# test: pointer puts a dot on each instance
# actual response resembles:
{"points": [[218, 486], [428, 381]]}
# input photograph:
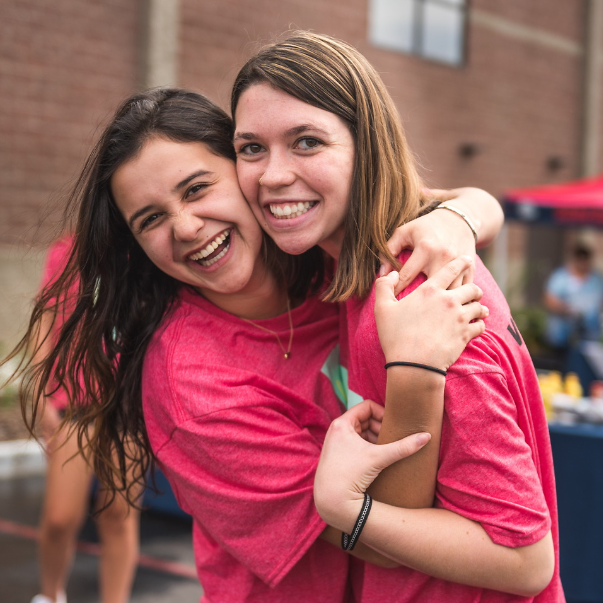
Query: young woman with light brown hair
{"points": [[315, 125]]}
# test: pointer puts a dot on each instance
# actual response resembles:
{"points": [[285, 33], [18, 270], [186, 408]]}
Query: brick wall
{"points": [[65, 64], [218, 36], [561, 17], [63, 67], [518, 100]]}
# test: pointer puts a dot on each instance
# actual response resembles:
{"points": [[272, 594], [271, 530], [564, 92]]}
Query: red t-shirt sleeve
{"points": [[246, 475], [487, 471], [56, 260]]}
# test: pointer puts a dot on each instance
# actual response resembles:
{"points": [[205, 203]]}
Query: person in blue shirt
{"points": [[574, 299]]}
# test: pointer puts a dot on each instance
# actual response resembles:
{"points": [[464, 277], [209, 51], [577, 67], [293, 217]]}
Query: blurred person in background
{"points": [[68, 483], [574, 298]]}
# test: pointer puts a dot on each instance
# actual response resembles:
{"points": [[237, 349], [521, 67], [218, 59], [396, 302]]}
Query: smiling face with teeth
{"points": [[185, 208], [305, 158]]}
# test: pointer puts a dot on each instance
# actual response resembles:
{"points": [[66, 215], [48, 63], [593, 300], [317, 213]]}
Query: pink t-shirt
{"points": [[495, 465], [238, 430], [56, 260]]}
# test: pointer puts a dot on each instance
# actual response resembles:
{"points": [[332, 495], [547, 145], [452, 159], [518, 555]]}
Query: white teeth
{"points": [[203, 253], [222, 253], [291, 211]]}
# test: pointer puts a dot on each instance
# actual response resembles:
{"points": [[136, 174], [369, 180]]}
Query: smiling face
{"points": [[305, 158], [185, 208]]}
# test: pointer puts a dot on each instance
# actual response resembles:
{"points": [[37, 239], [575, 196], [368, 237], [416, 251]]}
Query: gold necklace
{"points": [[287, 352]]}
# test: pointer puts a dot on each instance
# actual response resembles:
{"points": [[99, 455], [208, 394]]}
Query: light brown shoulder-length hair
{"points": [[386, 188]]}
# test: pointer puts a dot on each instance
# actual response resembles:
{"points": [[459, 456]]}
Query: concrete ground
{"points": [[166, 572]]}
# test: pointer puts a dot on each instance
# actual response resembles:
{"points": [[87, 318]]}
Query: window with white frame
{"points": [[433, 29]]}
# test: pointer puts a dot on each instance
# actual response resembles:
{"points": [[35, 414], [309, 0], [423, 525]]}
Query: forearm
{"points": [[448, 546], [414, 403], [482, 209], [555, 305], [361, 550]]}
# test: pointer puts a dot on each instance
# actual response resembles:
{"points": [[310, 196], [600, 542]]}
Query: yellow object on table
{"points": [[572, 386], [550, 384]]}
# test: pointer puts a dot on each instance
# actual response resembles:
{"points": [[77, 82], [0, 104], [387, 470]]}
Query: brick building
{"points": [[493, 94]]}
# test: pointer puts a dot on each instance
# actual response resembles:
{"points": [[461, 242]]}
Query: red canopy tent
{"points": [[577, 203]]}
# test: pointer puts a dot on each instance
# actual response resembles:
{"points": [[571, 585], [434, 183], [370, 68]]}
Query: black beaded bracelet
{"points": [[417, 365], [348, 541]]}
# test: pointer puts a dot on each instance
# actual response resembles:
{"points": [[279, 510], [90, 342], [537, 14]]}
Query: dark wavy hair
{"points": [[113, 297]]}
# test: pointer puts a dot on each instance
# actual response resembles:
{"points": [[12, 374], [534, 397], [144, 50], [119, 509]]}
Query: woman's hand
{"points": [[350, 461], [441, 236], [433, 324]]}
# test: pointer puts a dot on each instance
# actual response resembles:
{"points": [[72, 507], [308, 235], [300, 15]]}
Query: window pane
{"points": [[442, 34], [391, 24]]}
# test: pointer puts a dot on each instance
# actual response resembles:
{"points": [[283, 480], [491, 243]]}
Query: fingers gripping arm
{"points": [[357, 427], [434, 541], [441, 236]]}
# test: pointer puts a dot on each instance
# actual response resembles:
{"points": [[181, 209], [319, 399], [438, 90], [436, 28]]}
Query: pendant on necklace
{"points": [[287, 354]]}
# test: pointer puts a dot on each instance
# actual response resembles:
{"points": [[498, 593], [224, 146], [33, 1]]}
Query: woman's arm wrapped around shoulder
{"points": [[440, 236], [437, 542]]}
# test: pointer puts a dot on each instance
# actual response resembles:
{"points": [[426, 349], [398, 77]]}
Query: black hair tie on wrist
{"points": [[348, 541], [417, 365]]}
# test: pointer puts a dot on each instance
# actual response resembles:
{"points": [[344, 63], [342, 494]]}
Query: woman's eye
{"points": [[195, 189], [148, 221], [250, 149], [307, 144]]}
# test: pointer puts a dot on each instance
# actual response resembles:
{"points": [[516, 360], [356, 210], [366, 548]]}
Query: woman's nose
{"points": [[279, 172], [187, 225]]}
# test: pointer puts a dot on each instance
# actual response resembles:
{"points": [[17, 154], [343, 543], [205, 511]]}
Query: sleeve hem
{"points": [[515, 539], [299, 550]]}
